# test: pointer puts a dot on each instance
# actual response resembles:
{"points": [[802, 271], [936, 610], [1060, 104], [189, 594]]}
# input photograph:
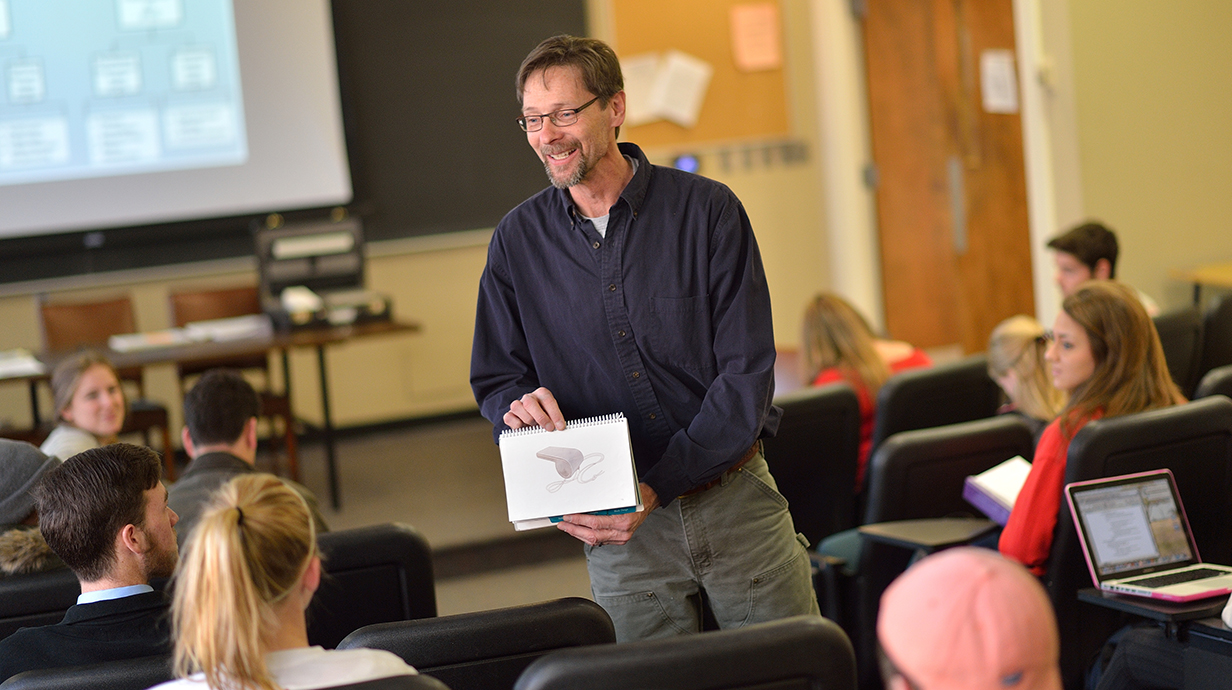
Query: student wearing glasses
{"points": [[628, 287]]}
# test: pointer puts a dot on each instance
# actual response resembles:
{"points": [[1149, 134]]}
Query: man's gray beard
{"points": [[578, 175]]}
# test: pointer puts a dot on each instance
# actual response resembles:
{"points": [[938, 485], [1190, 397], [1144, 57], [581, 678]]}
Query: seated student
{"points": [[1089, 252], [89, 403], [250, 569], [220, 435], [22, 547], [104, 513], [1106, 355], [1016, 362], [968, 618], [839, 346]]}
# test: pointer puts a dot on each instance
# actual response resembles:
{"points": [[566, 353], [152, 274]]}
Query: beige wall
{"points": [[1154, 116]]}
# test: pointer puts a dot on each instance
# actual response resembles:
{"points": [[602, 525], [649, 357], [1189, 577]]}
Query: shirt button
{"points": [[637, 374], [652, 415], [620, 333], [612, 287], [595, 245]]}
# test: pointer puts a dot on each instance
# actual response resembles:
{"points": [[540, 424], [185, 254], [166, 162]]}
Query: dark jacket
{"points": [[126, 628], [190, 494]]}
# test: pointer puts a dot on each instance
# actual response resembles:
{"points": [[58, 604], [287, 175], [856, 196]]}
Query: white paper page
{"points": [[1004, 481], [640, 72], [680, 88], [998, 83], [582, 469]]}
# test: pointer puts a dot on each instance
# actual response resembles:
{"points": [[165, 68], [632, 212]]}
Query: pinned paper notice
{"points": [[671, 87], [640, 72], [756, 42], [998, 83], [680, 87]]}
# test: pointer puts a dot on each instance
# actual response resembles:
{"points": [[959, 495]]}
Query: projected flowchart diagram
{"points": [[126, 86]]}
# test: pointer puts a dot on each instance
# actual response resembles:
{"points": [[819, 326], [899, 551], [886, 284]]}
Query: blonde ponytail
{"points": [[247, 552]]}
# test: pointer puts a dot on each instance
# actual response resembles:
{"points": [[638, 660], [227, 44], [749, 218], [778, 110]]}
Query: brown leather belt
{"points": [[748, 455]]}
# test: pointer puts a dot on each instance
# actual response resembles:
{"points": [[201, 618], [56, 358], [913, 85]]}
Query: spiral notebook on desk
{"points": [[585, 468]]}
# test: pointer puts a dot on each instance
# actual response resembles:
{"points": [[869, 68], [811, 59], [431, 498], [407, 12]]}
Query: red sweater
{"points": [[1027, 537], [917, 359]]}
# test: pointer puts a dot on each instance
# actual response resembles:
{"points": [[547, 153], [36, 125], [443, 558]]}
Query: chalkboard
{"points": [[429, 105], [429, 108]]}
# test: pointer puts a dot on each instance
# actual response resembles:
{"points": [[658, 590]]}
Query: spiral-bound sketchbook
{"points": [[586, 468]]}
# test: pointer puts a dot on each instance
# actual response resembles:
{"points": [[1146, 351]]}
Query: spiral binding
{"points": [[589, 421]]}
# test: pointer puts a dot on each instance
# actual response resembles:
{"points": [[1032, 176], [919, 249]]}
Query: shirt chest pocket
{"points": [[681, 334]]}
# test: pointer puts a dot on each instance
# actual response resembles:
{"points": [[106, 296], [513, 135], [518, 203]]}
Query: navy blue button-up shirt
{"points": [[666, 319]]}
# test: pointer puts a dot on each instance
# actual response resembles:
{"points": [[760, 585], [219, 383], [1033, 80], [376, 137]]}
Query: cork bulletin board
{"points": [[738, 104]]}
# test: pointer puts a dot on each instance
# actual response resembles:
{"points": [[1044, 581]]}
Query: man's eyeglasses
{"points": [[561, 118]]}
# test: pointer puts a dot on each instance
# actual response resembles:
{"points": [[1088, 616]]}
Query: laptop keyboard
{"points": [[1177, 578]]}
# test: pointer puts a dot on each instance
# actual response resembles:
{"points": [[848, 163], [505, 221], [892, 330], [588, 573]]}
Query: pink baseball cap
{"points": [[969, 618]]}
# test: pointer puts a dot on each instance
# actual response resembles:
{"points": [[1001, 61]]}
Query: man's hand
{"points": [[537, 408], [598, 530]]}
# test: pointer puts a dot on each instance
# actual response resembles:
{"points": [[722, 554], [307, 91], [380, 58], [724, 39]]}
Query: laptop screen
{"points": [[1132, 524]]}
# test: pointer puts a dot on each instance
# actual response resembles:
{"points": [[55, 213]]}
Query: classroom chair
{"points": [[1217, 381], [798, 652], [948, 393], [1194, 440], [813, 458], [1180, 334], [36, 599], [206, 305], [72, 326], [129, 674], [374, 574], [488, 649], [1217, 335], [914, 474]]}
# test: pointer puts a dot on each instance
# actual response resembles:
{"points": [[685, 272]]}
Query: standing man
{"points": [[104, 513], [628, 287]]}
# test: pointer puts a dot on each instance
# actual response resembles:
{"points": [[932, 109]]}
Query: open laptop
{"points": [[1137, 540]]}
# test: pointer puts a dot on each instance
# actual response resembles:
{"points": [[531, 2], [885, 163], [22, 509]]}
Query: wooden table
{"points": [[1214, 275], [279, 341]]}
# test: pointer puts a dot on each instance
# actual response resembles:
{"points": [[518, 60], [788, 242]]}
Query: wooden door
{"points": [[951, 188]]}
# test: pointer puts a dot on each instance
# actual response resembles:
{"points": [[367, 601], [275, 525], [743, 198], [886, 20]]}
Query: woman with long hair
{"points": [[248, 573], [1106, 355], [1016, 362], [89, 402], [839, 346]]}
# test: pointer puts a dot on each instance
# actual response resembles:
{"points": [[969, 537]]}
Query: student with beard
{"points": [[104, 513]]}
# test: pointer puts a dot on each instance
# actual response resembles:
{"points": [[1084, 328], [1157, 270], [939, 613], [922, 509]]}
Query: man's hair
{"points": [[85, 502], [218, 407], [1089, 243], [595, 61]]}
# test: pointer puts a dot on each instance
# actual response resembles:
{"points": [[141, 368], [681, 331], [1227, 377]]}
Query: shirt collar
{"points": [[113, 593], [634, 193]]}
